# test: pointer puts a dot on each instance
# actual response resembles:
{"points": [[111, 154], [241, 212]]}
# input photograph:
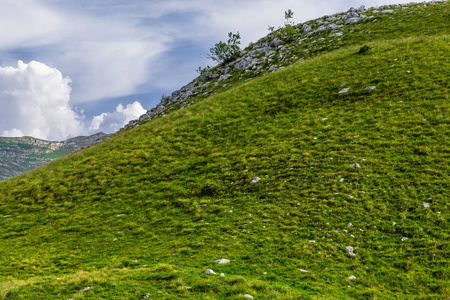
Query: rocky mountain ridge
{"points": [[276, 51], [21, 154]]}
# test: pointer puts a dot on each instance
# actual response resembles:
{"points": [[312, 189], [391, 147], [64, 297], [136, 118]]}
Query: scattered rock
{"points": [[86, 289], [421, 229], [224, 77], [387, 11], [352, 20], [324, 119], [222, 261], [248, 296], [344, 90], [255, 180], [349, 225], [114, 240], [352, 277], [341, 180], [146, 296], [201, 205], [404, 239], [306, 28], [426, 205], [276, 43], [349, 250], [337, 34], [330, 27], [351, 14], [312, 241], [355, 166], [304, 271], [350, 197], [222, 275], [369, 88], [209, 271]]}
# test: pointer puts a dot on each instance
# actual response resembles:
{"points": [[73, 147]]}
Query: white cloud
{"points": [[27, 23], [35, 101], [107, 58], [111, 122]]}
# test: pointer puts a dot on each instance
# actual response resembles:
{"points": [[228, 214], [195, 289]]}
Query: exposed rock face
{"points": [[19, 155]]}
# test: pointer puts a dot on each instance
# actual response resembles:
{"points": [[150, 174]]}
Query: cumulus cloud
{"points": [[35, 101], [111, 122]]}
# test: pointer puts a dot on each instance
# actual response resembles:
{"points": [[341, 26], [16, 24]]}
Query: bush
{"points": [[226, 52], [288, 32], [205, 72], [364, 49]]}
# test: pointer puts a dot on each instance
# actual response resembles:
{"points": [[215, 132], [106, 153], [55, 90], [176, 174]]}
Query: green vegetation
{"points": [[226, 52], [363, 49], [288, 32], [147, 211]]}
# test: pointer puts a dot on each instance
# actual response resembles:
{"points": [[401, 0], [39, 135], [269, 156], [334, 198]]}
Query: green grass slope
{"points": [[146, 212]]}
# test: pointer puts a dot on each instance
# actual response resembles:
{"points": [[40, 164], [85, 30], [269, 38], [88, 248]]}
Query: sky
{"points": [[77, 67]]}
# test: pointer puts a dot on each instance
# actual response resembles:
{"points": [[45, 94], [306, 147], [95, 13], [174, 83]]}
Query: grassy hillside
{"points": [[146, 212]]}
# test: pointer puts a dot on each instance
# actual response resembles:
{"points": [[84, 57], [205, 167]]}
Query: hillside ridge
{"points": [[276, 51]]}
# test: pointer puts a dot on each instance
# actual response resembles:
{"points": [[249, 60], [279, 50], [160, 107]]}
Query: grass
{"points": [[147, 211]]}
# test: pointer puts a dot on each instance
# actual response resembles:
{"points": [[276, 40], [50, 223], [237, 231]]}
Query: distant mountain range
{"points": [[21, 154]]}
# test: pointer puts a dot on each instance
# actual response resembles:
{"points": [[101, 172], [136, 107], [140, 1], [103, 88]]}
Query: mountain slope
{"points": [[147, 211], [19, 155]]}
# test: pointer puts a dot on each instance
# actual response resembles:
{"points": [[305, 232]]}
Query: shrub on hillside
{"points": [[226, 52]]}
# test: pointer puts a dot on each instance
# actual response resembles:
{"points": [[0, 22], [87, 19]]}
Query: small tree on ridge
{"points": [[226, 52]]}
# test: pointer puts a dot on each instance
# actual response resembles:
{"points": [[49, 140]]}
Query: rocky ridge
{"points": [[273, 52], [19, 155]]}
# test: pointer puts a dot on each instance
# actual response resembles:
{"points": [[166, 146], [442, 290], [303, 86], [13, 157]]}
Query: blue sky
{"points": [[99, 63]]}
